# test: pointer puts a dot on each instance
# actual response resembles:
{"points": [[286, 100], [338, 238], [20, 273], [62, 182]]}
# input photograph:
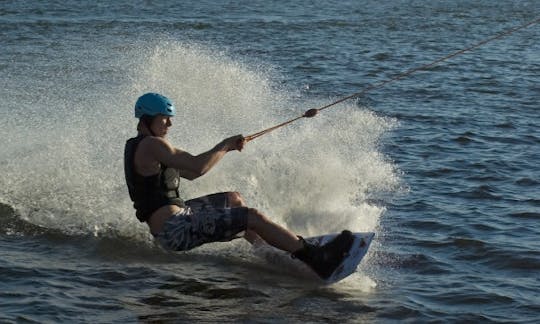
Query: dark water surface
{"points": [[442, 165]]}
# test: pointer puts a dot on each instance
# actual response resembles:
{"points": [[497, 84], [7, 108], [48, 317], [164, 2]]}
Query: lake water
{"points": [[442, 166]]}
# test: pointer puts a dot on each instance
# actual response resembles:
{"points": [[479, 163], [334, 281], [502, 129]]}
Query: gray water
{"points": [[442, 166]]}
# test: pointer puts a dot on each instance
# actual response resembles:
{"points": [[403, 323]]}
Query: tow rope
{"points": [[314, 111]]}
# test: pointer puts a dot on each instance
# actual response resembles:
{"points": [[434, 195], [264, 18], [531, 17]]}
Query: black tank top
{"points": [[150, 193]]}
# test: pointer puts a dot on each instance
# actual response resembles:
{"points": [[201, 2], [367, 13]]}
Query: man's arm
{"points": [[190, 166]]}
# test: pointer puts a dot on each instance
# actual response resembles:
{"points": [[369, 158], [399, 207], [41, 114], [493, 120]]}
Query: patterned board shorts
{"points": [[205, 219]]}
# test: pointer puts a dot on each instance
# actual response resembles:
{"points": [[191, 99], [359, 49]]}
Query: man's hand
{"points": [[234, 143]]}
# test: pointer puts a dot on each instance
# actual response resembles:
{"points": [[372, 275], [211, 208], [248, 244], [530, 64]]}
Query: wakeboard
{"points": [[287, 264]]}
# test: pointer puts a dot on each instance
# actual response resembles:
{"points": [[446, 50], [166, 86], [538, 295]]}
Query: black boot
{"points": [[325, 259]]}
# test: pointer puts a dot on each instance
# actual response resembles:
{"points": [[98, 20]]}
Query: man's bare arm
{"points": [[192, 166]]}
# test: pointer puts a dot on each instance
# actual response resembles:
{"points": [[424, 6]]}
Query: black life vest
{"points": [[150, 193]]}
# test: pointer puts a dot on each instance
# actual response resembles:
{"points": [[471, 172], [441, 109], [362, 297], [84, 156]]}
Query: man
{"points": [[153, 168]]}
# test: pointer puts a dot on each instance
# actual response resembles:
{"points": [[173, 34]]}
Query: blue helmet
{"points": [[153, 104]]}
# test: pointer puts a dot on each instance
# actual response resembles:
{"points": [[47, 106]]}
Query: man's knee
{"points": [[255, 218], [235, 199]]}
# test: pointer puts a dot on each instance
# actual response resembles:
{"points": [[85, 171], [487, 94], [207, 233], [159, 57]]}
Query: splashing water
{"points": [[66, 173]]}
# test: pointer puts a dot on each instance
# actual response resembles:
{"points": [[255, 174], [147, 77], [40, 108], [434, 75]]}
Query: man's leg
{"points": [[272, 233], [323, 260], [236, 200]]}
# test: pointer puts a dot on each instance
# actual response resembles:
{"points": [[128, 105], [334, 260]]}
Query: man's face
{"points": [[160, 125]]}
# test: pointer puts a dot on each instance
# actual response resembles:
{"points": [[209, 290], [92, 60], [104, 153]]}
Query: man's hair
{"points": [[146, 120]]}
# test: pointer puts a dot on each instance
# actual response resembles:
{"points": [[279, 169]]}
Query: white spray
{"points": [[62, 160]]}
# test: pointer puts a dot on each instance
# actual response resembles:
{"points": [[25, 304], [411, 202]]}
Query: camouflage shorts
{"points": [[205, 219]]}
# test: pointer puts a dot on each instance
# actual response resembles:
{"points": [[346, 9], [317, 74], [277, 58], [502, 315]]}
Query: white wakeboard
{"points": [[287, 264]]}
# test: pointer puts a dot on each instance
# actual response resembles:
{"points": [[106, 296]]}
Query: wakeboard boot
{"points": [[325, 259]]}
